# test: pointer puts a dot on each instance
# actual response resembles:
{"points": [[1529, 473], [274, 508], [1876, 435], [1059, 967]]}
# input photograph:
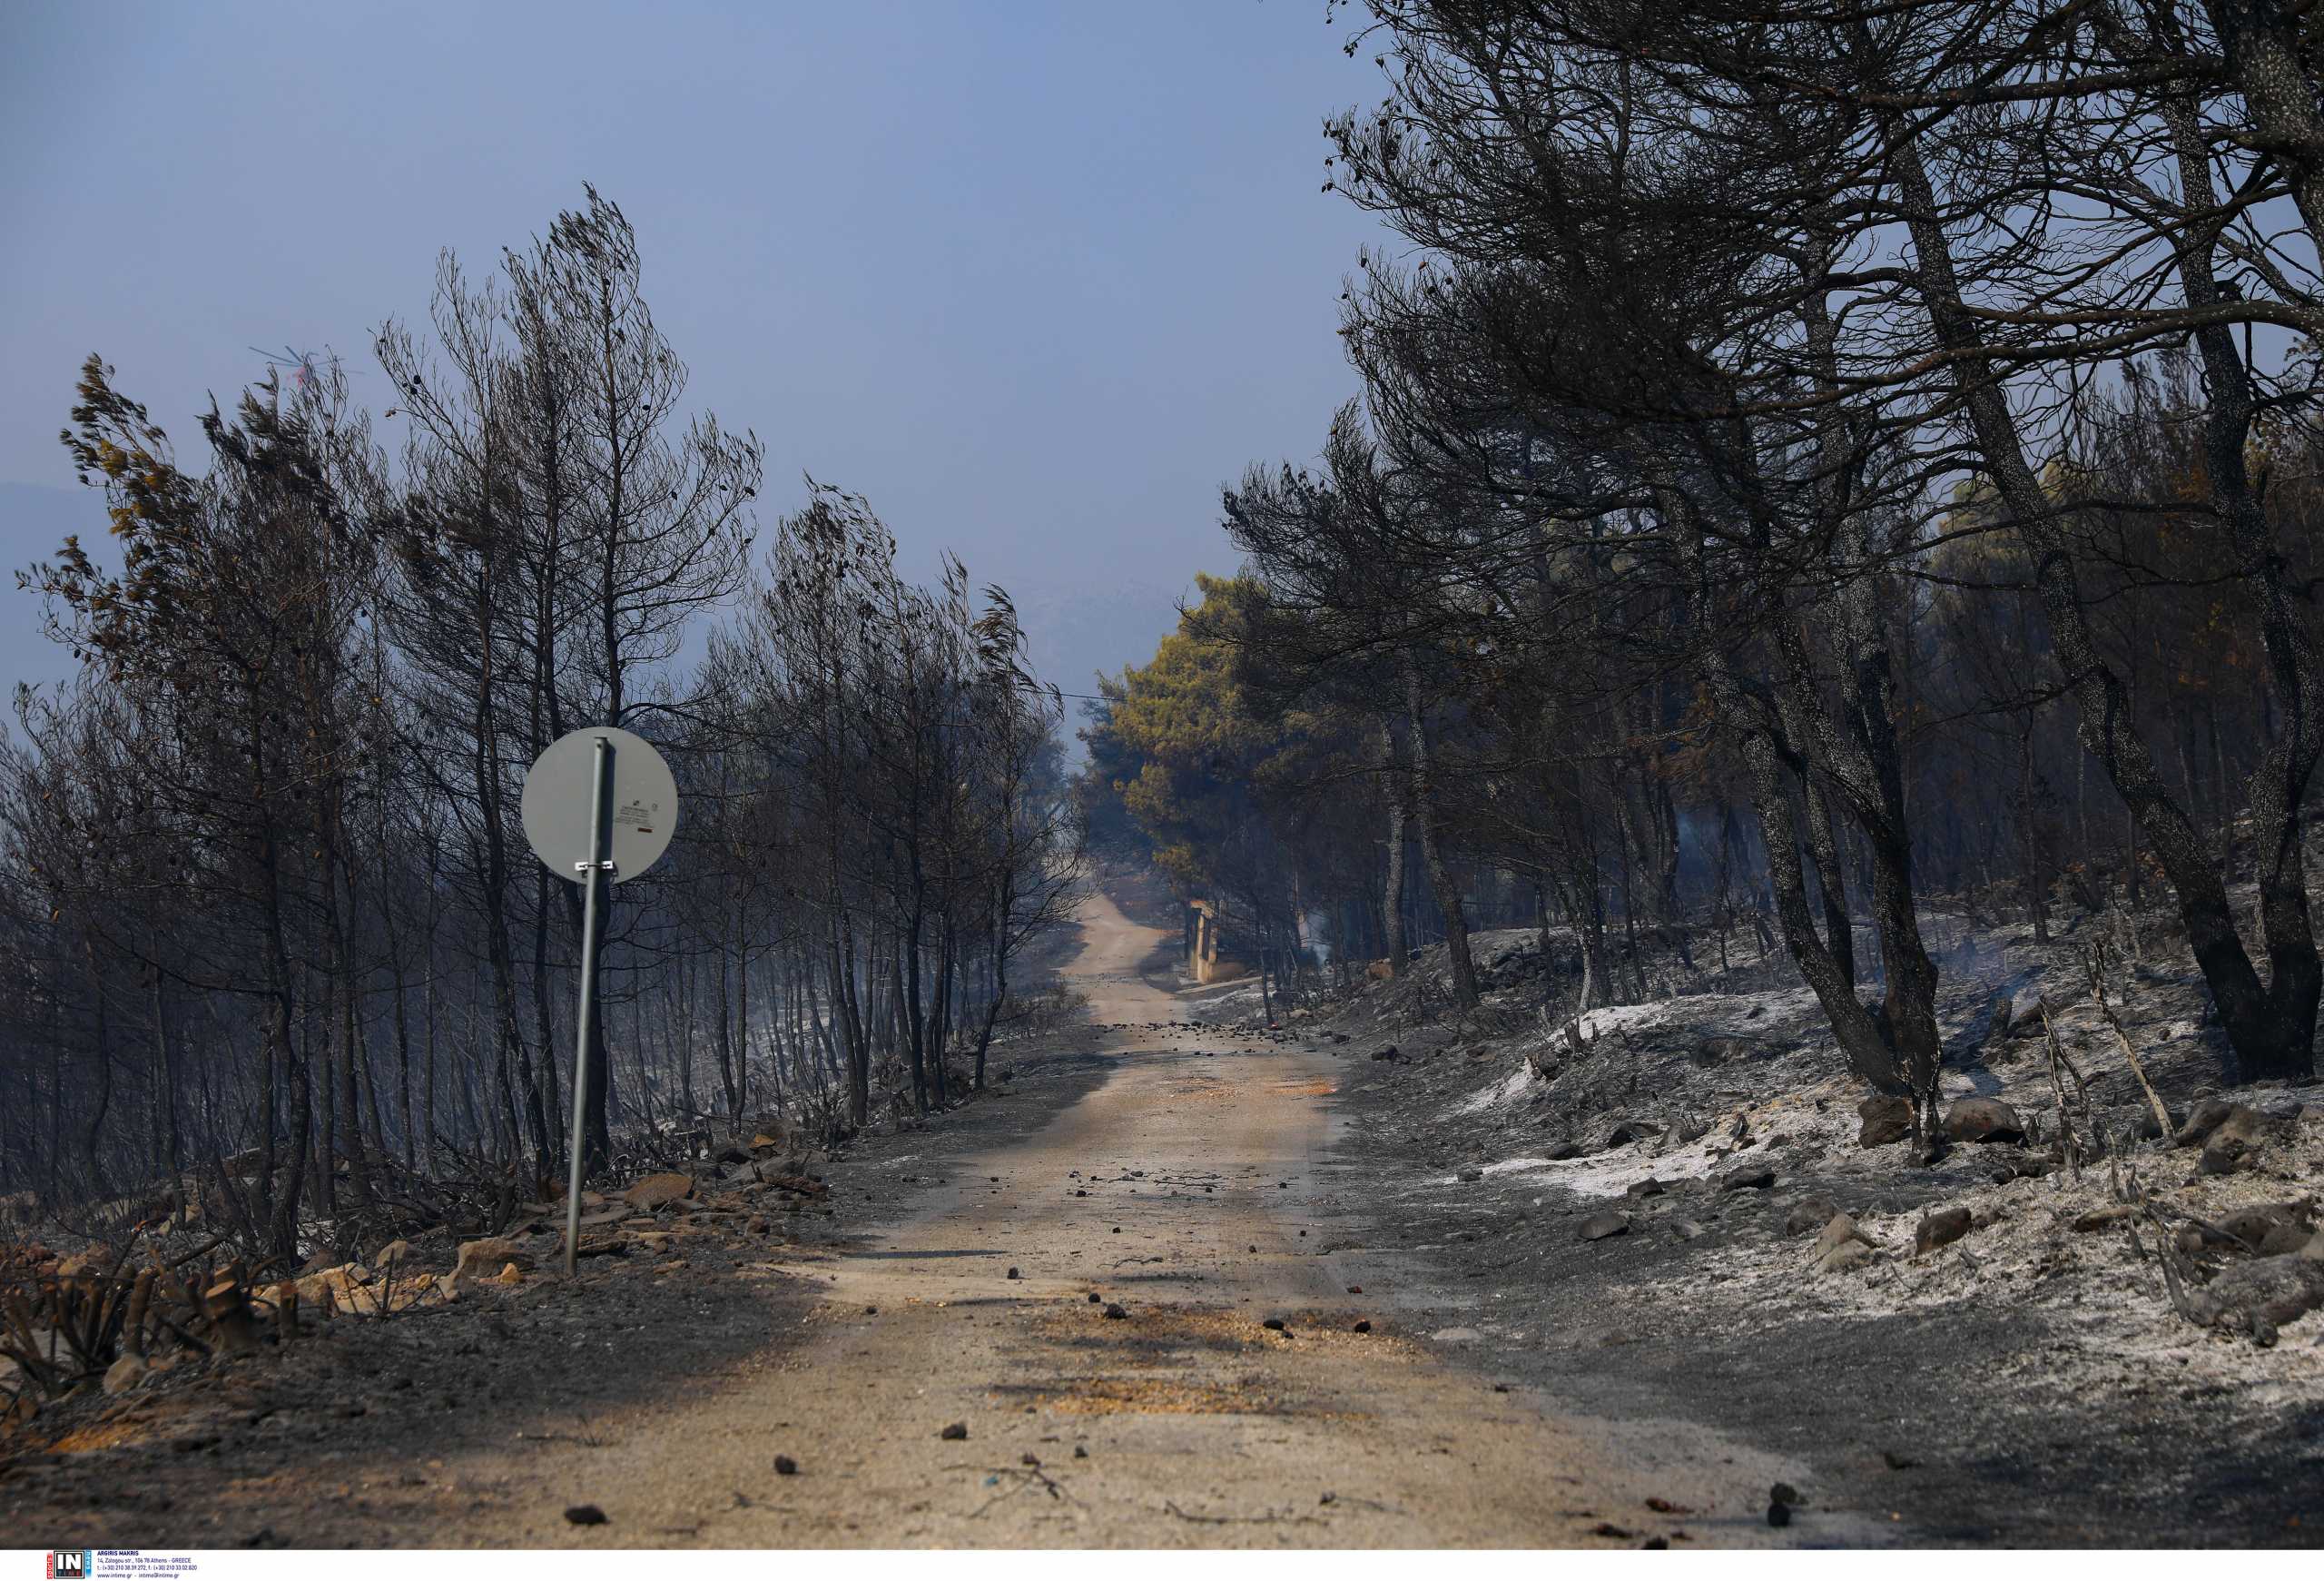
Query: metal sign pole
{"points": [[592, 874]]}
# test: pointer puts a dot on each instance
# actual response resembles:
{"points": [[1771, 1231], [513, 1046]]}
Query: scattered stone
{"points": [[2201, 1121], [1081, 1452], [1602, 1226], [1013, 1273], [1095, 1298], [1649, 1187], [1986, 1120], [1564, 1151], [659, 1191], [2286, 1239], [1355, 1289], [1632, 1131], [1842, 1259], [1718, 1051], [1274, 1323], [1884, 1120], [1897, 1462], [584, 1515], [1748, 1177], [1779, 1513], [1691, 1129], [1688, 1229], [1116, 1309], [1838, 1231], [1810, 1213], [1362, 1326], [2252, 1226], [1942, 1228], [2234, 1143], [1472, 1174], [2023, 1015], [954, 1431], [2100, 1218], [2261, 1296], [784, 1465], [1389, 1052], [489, 1255]]}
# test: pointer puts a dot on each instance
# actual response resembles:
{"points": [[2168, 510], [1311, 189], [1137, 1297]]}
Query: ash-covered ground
{"points": [[1647, 1222]]}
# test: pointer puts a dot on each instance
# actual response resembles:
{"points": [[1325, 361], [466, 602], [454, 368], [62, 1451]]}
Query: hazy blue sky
{"points": [[1037, 278]]}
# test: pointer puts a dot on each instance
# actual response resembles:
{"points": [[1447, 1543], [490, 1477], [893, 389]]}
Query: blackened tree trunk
{"points": [[1440, 872]]}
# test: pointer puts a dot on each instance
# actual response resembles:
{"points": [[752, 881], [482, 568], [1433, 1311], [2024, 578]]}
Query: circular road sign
{"points": [[641, 804]]}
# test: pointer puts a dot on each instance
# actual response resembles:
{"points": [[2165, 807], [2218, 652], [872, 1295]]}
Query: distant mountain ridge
{"points": [[1075, 630]]}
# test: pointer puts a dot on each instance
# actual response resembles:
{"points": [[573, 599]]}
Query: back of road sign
{"points": [[641, 805]]}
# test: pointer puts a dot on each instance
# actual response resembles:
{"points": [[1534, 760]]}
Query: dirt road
{"points": [[1193, 1192]]}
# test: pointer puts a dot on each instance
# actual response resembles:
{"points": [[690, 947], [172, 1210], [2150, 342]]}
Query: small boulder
{"points": [[1942, 1228], [1841, 1231], [2286, 1239], [1388, 1053], [2260, 1296], [126, 1374], [1473, 1173], [1649, 1187], [2022, 1016], [1810, 1213], [1746, 1178], [1884, 1120], [1841, 1259], [1602, 1226], [2101, 1218], [2233, 1144], [2251, 1227], [1985, 1119], [659, 1191], [1718, 1051], [2201, 1121], [483, 1257], [954, 1431]]}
